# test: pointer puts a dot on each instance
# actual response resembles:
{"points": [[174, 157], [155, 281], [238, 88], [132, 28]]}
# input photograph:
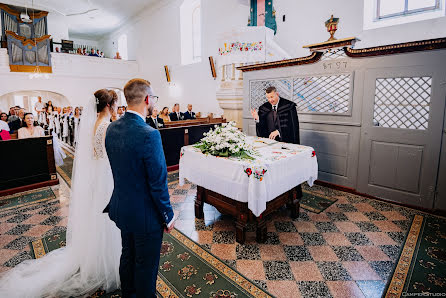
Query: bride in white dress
{"points": [[91, 258]]}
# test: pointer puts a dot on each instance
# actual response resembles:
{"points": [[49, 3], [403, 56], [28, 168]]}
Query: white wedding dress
{"points": [[91, 258]]}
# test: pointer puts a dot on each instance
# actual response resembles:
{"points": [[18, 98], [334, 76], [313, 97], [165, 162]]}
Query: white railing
{"points": [[82, 66]]}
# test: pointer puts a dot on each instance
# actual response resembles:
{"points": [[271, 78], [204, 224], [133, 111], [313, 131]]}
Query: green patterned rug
{"points": [[421, 267], [315, 202], [186, 270], [26, 198], [41, 247], [66, 170]]}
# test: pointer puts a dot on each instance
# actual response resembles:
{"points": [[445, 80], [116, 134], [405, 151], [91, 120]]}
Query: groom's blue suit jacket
{"points": [[140, 201]]}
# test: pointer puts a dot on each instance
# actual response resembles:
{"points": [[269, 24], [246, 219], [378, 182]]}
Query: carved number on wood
{"points": [[335, 65]]}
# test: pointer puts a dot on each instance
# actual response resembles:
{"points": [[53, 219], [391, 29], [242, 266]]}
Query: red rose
{"points": [[313, 154]]}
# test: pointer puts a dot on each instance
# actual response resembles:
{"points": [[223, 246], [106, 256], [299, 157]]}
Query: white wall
{"points": [[57, 26], [154, 40], [75, 77], [305, 20]]}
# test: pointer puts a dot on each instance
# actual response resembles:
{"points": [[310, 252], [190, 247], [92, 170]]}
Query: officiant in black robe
{"points": [[277, 119]]}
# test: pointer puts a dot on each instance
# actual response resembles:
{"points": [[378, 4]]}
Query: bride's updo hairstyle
{"points": [[105, 97]]}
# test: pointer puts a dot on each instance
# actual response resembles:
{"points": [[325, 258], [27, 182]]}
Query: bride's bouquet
{"points": [[225, 141]]}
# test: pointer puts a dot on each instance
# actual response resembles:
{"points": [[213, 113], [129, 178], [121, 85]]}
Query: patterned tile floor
{"points": [[346, 251]]}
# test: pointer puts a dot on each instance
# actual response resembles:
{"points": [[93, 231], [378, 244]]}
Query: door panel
{"points": [[401, 134]]}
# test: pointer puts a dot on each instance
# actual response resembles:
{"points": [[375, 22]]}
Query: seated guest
{"points": [[165, 114], [29, 130], [84, 52], [155, 121], [4, 122], [117, 56], [79, 51], [102, 55], [189, 114], [98, 53], [93, 53], [176, 114], [14, 121]]}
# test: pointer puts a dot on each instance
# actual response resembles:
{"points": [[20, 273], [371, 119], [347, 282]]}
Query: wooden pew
{"points": [[27, 164], [177, 134]]}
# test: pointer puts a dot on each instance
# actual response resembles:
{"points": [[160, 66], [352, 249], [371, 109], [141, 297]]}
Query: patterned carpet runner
{"points": [[421, 267], [186, 270], [315, 202], [26, 198], [66, 170]]}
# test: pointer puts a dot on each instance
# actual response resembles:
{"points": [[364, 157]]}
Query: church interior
{"points": [[337, 185]]}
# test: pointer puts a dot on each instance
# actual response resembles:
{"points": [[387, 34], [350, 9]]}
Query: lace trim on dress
{"points": [[99, 141]]}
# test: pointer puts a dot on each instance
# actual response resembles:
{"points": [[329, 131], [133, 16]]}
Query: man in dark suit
{"points": [[155, 121], [176, 114], [189, 114], [140, 204]]}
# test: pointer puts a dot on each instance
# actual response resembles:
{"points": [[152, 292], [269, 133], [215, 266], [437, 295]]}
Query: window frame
{"points": [[406, 10]]}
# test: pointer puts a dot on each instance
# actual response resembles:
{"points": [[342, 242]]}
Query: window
{"points": [[122, 46], [383, 13], [190, 21], [394, 8], [18, 101], [196, 32]]}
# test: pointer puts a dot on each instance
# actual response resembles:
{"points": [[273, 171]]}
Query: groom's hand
{"points": [[169, 229]]}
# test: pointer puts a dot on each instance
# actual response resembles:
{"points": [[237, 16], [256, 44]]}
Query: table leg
{"points": [[240, 226], [261, 229], [199, 203], [294, 204]]}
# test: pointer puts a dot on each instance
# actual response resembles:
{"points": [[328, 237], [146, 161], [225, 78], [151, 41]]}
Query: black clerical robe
{"points": [[285, 121]]}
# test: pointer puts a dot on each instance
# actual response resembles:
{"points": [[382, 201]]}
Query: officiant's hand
{"points": [[274, 134], [254, 114]]}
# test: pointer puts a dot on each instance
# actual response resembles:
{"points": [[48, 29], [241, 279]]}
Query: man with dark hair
{"points": [[176, 114], [277, 118], [155, 121], [140, 204], [93, 53], [14, 121], [189, 114]]}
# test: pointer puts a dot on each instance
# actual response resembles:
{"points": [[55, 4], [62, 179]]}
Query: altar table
{"points": [[250, 189]]}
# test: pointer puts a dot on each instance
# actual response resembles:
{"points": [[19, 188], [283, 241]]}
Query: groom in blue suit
{"points": [[140, 203]]}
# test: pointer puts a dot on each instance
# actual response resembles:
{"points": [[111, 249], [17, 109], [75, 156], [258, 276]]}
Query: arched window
{"points": [[122, 46], [196, 32], [190, 20]]}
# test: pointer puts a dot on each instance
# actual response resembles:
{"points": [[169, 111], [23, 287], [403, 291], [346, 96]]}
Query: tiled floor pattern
{"points": [[346, 251]]}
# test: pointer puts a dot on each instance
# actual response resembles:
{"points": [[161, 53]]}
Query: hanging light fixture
{"points": [[37, 73]]}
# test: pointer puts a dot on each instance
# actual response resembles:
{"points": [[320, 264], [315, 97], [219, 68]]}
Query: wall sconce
{"points": [[213, 72], [166, 70]]}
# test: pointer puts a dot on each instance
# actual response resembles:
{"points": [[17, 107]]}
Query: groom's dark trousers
{"points": [[140, 204]]}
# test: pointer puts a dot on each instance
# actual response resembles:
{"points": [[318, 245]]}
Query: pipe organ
{"points": [[28, 43]]}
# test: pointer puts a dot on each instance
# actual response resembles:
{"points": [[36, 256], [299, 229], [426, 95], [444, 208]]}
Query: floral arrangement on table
{"points": [[226, 141]]}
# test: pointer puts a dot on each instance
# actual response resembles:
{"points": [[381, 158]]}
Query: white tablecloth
{"points": [[278, 168]]}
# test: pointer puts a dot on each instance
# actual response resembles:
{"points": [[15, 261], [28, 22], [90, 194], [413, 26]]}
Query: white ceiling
{"points": [[104, 17]]}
